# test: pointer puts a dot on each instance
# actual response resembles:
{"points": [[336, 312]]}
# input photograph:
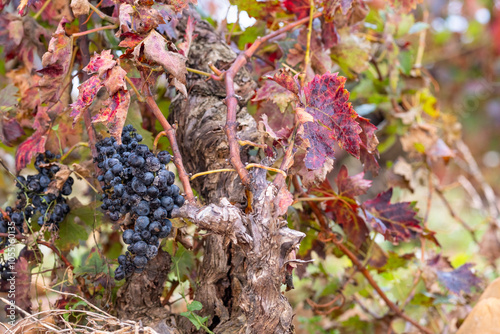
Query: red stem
{"points": [[232, 101], [170, 133], [44, 243]]}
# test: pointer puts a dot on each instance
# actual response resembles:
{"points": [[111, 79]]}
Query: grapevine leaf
{"points": [[70, 234], [153, 49], [30, 147], [283, 200], [352, 52], [188, 37], [335, 120], [271, 90], [22, 274], [114, 114], [456, 280], [100, 63], [130, 40], [87, 93], [396, 222], [285, 79], [300, 8], [11, 131], [56, 62], [460, 279], [194, 306], [23, 4], [329, 35], [115, 80], [351, 186]]}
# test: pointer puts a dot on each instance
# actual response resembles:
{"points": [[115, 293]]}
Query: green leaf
{"points": [[71, 234], [93, 264], [195, 306]]}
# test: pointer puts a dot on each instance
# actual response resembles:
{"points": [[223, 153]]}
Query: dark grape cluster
{"points": [[33, 197], [136, 182]]}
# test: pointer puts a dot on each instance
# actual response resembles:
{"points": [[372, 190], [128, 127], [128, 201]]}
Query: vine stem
{"points": [[37, 15], [233, 170], [324, 225], [170, 133], [84, 33], [44, 243], [307, 58], [232, 100], [102, 15]]}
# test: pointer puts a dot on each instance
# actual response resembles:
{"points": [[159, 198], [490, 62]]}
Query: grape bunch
{"points": [[33, 197], [137, 182]]}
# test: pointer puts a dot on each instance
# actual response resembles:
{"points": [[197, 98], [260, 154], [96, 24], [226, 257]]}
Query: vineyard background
{"points": [[426, 73]]}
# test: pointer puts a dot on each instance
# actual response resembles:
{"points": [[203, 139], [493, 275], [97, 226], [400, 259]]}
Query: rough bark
{"points": [[244, 261]]}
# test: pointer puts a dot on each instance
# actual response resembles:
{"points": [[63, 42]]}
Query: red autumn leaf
{"points": [[87, 93], [329, 35], [30, 147], [145, 19], [368, 145], [351, 186], [11, 130], [396, 222], [114, 114], [56, 62], [130, 40], [335, 120], [271, 90], [153, 49], [344, 208], [188, 37], [115, 80], [23, 4], [300, 8], [285, 78], [100, 63]]}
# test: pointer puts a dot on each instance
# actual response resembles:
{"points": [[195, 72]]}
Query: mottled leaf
{"points": [[114, 114], [29, 148], [335, 120], [115, 80], [11, 131], [56, 62], [87, 93], [100, 63], [396, 222], [300, 8], [271, 90], [130, 40], [188, 37], [257, 9], [153, 49], [287, 80]]}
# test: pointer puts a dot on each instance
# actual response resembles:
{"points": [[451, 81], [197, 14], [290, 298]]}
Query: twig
{"points": [[421, 46], [37, 15], [140, 98], [251, 143], [80, 144], [213, 171], [84, 33], [170, 133], [308, 46], [374, 284], [41, 242], [232, 100], [103, 16], [157, 139], [455, 216]]}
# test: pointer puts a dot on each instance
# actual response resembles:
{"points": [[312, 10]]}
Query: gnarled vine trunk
{"points": [[244, 262], [240, 280]]}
